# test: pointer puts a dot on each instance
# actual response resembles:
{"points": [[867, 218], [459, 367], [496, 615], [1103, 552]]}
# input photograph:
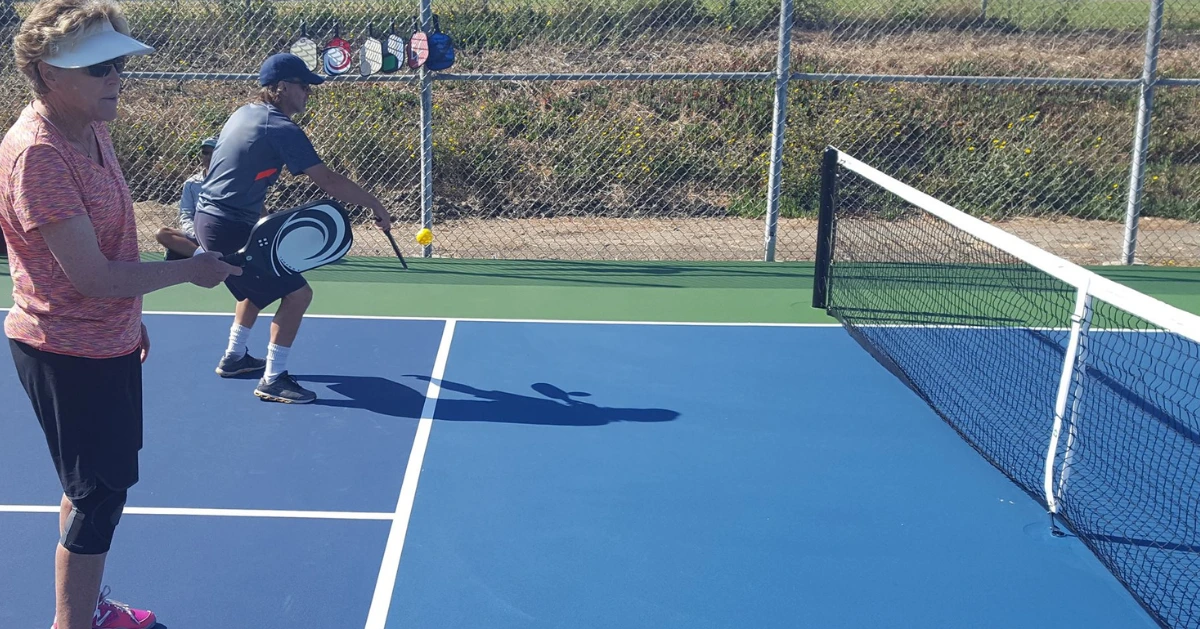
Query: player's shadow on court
{"points": [[551, 407]]}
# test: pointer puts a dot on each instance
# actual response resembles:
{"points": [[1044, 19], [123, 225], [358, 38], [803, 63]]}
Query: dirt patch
{"points": [[1161, 241]]}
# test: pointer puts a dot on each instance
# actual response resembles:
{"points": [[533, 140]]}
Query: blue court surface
{"points": [[509, 474]]}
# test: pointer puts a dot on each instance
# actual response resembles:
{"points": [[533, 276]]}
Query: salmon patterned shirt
{"points": [[44, 179]]}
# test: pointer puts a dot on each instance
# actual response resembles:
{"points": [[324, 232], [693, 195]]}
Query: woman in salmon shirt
{"points": [[75, 329]]}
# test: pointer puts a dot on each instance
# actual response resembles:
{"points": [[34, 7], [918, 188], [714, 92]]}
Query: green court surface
{"points": [[735, 292]]}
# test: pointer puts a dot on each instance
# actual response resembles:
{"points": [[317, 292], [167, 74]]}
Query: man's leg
{"points": [[246, 313], [284, 327], [286, 323], [221, 235], [237, 360], [277, 385]]}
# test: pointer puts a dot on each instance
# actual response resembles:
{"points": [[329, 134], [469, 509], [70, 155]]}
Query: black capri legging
{"points": [[90, 411]]}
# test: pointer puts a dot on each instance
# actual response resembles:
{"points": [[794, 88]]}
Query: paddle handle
{"points": [[237, 258], [395, 247]]}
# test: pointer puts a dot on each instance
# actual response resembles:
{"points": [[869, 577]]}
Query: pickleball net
{"points": [[1083, 391]]}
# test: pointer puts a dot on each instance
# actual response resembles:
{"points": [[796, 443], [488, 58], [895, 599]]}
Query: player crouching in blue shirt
{"points": [[257, 141]]}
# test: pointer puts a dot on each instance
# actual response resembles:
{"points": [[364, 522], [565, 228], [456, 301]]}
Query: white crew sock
{"points": [[276, 361], [238, 335]]}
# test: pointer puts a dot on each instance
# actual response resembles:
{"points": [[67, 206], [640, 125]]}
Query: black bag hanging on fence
{"points": [[441, 48]]}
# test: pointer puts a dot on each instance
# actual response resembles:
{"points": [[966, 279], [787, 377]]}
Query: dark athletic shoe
{"points": [[285, 389], [246, 364]]}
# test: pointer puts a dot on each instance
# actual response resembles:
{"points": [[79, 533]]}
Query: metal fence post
{"points": [[1141, 138], [426, 134], [783, 74]]}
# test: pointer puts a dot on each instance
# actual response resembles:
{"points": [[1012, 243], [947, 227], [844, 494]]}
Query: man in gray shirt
{"points": [[257, 141]]}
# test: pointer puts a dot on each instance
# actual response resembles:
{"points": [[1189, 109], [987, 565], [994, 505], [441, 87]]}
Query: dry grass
{"points": [[983, 54], [914, 53]]}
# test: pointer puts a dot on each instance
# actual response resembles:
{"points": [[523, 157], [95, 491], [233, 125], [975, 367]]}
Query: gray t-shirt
{"points": [[256, 142]]}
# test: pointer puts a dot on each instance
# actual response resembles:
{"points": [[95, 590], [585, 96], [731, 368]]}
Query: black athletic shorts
{"points": [[225, 236], [91, 414]]}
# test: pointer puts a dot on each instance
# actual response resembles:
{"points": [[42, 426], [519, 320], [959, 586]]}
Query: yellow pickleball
{"points": [[424, 237]]}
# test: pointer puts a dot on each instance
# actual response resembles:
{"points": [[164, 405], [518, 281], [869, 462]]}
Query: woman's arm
{"points": [[73, 243]]}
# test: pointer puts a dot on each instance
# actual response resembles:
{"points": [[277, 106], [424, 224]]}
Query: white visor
{"points": [[99, 42]]}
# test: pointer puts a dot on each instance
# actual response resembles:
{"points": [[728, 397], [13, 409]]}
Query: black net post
{"points": [[829, 166]]}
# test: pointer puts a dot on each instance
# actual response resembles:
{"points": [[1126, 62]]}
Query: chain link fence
{"points": [[651, 129]]}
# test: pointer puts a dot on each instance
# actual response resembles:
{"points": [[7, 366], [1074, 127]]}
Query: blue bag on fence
{"points": [[441, 49]]}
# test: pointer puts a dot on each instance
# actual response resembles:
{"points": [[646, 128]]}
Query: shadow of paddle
{"points": [[552, 407], [372, 394], [555, 393]]}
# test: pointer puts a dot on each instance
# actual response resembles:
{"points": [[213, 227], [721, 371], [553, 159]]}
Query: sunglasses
{"points": [[303, 86], [101, 70]]}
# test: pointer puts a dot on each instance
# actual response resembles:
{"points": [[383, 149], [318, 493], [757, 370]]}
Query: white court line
{"points": [[233, 513], [520, 320], [725, 324], [386, 583], [999, 328]]}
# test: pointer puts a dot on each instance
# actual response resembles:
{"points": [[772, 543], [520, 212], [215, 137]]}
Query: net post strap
{"points": [[1069, 392]]}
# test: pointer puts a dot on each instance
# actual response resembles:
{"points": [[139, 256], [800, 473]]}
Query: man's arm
{"points": [[345, 190], [73, 243]]}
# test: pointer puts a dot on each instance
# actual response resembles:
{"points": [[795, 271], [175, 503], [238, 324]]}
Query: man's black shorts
{"points": [[91, 414], [224, 236]]}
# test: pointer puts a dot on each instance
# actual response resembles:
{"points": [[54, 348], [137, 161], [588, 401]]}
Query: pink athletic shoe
{"points": [[115, 615]]}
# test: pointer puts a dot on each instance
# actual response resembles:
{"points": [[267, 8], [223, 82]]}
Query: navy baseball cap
{"points": [[286, 67]]}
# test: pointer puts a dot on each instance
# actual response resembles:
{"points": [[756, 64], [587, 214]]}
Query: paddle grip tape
{"points": [[92, 521]]}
